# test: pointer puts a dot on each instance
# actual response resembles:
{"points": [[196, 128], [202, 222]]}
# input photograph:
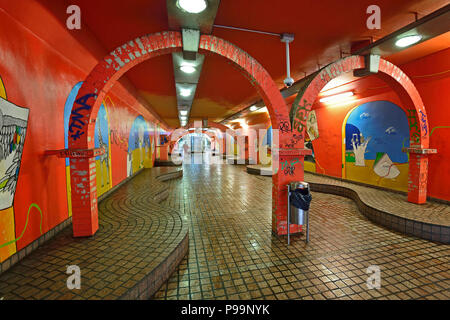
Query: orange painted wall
{"points": [[40, 62]]}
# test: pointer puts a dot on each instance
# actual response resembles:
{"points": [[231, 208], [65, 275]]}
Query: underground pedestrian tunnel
{"points": [[150, 144]]}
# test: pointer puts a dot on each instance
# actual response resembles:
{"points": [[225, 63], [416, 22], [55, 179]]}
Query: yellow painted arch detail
{"points": [[2, 89]]}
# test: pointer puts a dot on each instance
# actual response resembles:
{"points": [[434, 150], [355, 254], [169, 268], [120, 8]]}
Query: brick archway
{"points": [[122, 59], [411, 100]]}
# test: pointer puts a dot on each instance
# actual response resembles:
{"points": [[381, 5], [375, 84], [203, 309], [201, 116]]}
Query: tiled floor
{"points": [[391, 202], [135, 237], [233, 254], [394, 203]]}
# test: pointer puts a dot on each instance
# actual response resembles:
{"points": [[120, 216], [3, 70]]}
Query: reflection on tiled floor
{"points": [[136, 237], [391, 202], [233, 254]]}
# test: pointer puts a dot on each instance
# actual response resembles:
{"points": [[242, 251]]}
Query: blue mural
{"points": [[386, 127], [102, 141], [267, 140], [67, 111], [138, 145]]}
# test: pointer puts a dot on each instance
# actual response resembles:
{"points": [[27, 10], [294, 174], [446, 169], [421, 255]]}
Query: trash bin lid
{"points": [[299, 185]]}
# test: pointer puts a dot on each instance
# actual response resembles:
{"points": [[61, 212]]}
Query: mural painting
{"points": [[375, 133], [103, 162], [310, 160], [312, 133], [13, 127], [139, 146]]}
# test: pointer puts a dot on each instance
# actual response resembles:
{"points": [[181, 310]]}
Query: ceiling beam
{"points": [[191, 26]]}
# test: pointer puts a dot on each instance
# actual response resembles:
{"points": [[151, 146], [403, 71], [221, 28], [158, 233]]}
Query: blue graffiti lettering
{"points": [[77, 118]]}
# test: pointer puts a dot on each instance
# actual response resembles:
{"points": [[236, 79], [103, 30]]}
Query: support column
{"points": [[418, 174], [289, 163], [84, 196], [164, 152]]}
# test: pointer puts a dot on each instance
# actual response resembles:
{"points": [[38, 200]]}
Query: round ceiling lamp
{"points": [[192, 6], [407, 41], [185, 92], [187, 68], [253, 108]]}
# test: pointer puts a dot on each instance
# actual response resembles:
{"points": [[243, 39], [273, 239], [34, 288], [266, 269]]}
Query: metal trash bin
{"points": [[298, 214], [299, 199]]}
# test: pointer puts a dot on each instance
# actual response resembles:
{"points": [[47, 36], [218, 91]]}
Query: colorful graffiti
{"points": [[413, 126], [375, 133], [300, 116], [77, 121], [13, 128], [288, 167]]}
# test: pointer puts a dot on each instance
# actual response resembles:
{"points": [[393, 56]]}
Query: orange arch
{"points": [[110, 69], [407, 92]]}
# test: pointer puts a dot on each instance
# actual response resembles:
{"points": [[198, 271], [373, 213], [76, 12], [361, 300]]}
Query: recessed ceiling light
{"points": [[183, 118], [337, 97], [185, 92], [253, 108], [187, 68], [192, 6], [408, 40], [183, 112]]}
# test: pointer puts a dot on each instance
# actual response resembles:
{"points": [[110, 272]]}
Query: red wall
{"points": [[40, 62]]}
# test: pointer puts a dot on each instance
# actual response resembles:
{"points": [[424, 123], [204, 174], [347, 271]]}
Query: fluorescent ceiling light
{"points": [[407, 41], [185, 92], [253, 108], [337, 97], [192, 6], [183, 112], [187, 68], [183, 118]]}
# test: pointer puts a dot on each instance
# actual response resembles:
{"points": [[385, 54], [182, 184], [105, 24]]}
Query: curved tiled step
{"points": [[138, 246], [429, 221], [166, 163], [390, 209], [164, 174], [260, 170]]}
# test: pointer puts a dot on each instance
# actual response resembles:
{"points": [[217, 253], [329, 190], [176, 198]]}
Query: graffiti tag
{"points": [[119, 139], [288, 167], [294, 140], [423, 120], [77, 118], [413, 126], [284, 126], [301, 112], [290, 170]]}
